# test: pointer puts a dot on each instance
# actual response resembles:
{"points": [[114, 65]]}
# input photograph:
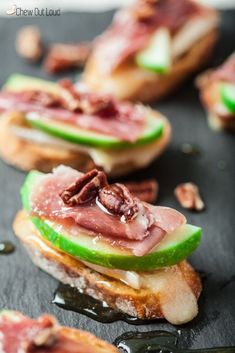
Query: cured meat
{"points": [[166, 220], [46, 203], [127, 35], [139, 235], [19, 333], [226, 72], [127, 123]]}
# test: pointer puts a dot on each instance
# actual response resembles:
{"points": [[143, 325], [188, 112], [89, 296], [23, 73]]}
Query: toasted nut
{"points": [[145, 190], [89, 103], [117, 199], [64, 56], [29, 43], [188, 196], [85, 188]]}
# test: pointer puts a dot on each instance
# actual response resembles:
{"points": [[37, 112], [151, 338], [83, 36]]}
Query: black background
{"points": [[26, 288]]}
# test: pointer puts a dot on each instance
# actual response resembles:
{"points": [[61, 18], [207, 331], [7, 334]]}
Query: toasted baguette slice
{"points": [[219, 118], [26, 154], [49, 336], [172, 292], [143, 85]]}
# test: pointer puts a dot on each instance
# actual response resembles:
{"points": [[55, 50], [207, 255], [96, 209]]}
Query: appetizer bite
{"points": [[45, 124], [217, 91], [21, 334], [150, 47], [110, 245]]}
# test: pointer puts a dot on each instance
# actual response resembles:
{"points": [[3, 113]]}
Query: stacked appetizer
{"points": [[150, 47], [21, 334], [107, 243], [217, 90], [45, 124]]}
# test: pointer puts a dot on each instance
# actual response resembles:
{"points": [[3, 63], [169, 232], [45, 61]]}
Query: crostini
{"points": [[44, 124], [150, 47], [108, 244], [21, 334], [217, 92]]}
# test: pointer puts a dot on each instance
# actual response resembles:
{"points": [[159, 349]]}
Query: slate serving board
{"points": [[26, 288]]}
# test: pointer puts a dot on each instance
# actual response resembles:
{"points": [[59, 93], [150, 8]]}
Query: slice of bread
{"points": [[54, 336], [218, 116], [172, 292], [26, 154], [130, 82]]}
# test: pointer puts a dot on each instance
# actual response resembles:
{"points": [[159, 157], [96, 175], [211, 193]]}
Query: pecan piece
{"points": [[145, 190], [92, 104], [85, 188], [29, 43], [89, 103], [188, 196], [45, 99], [63, 56], [117, 199]]}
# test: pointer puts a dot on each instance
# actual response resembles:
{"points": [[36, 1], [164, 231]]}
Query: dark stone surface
{"points": [[26, 288]]}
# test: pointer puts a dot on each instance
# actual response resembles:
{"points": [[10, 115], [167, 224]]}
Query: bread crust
{"points": [[27, 155], [93, 343], [145, 86], [142, 303]]}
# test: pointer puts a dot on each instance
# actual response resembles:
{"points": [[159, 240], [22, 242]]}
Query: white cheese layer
{"points": [[177, 300]]}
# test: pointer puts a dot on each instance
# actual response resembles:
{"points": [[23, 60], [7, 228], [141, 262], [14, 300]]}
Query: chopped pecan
{"points": [[146, 190], [89, 103], [64, 56], [93, 103], [43, 98], [29, 43], [71, 95], [188, 196], [85, 188], [117, 199]]}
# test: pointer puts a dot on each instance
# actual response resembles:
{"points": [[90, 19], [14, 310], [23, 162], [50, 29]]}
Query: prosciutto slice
{"points": [[139, 235], [18, 334], [127, 35], [127, 123]]}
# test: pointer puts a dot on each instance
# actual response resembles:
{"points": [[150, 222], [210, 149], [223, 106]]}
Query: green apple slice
{"points": [[227, 93], [17, 82], [157, 56], [153, 130], [173, 248]]}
